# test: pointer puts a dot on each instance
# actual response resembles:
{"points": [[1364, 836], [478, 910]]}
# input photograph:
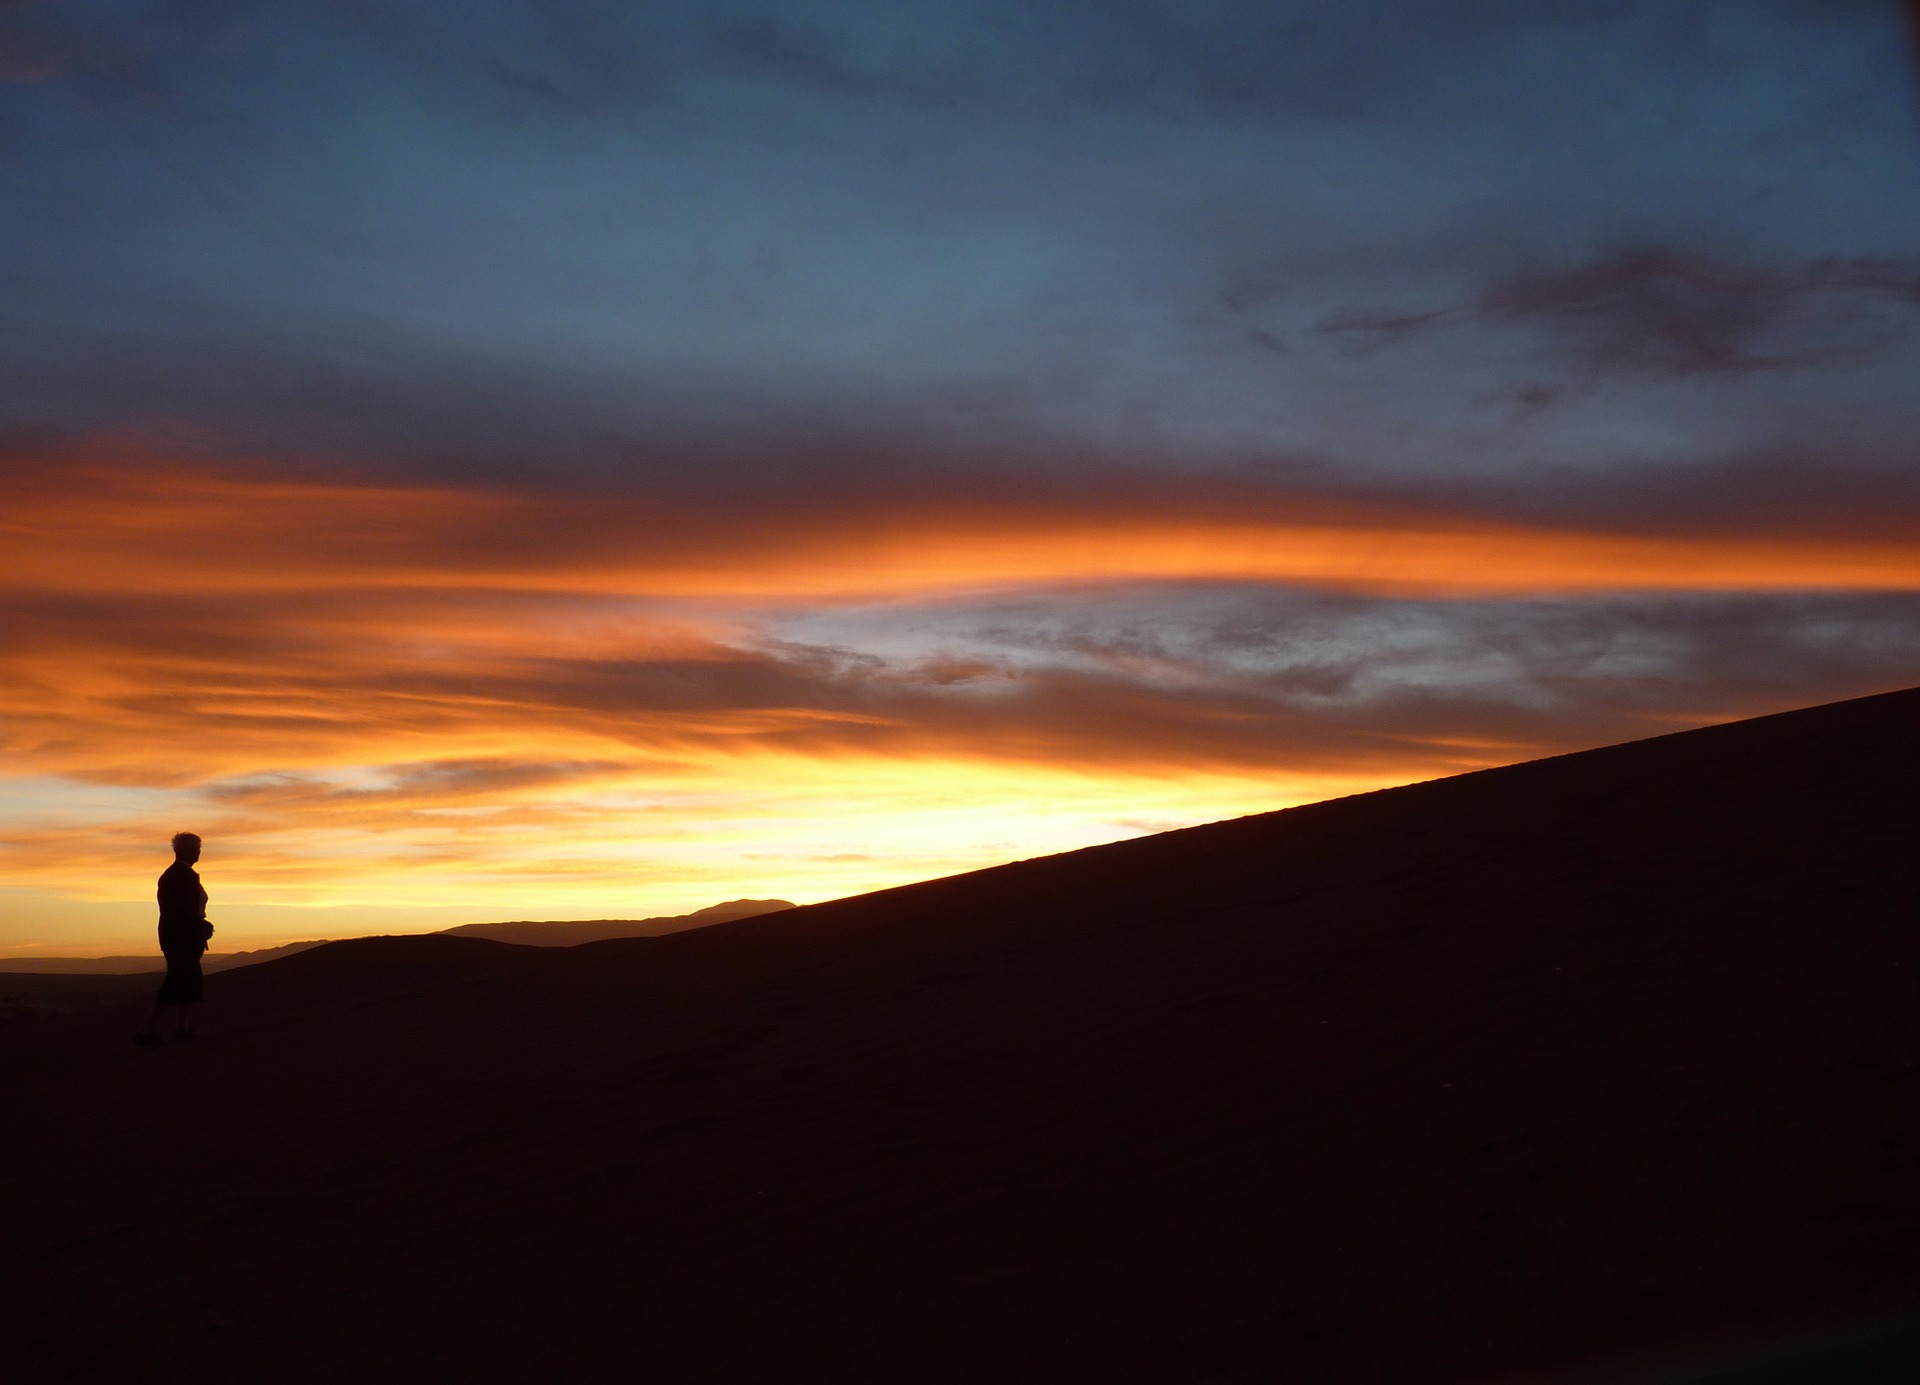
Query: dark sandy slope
{"points": [[1485, 1075]]}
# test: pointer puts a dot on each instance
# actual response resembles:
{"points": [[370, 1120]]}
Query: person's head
{"points": [[186, 847]]}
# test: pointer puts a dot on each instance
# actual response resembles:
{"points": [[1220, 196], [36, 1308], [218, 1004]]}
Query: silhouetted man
{"points": [[184, 931]]}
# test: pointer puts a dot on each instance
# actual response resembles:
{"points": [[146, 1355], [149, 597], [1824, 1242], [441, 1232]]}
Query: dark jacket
{"points": [[183, 911]]}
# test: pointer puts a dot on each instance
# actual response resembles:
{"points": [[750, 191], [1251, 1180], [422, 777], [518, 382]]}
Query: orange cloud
{"points": [[406, 697], [126, 525]]}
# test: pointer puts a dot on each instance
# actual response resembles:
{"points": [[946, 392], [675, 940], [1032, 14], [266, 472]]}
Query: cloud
{"points": [[408, 699], [29, 49], [192, 628], [1300, 674], [545, 446], [124, 47], [763, 45], [1658, 311], [22, 66], [490, 785], [105, 522], [935, 225]]}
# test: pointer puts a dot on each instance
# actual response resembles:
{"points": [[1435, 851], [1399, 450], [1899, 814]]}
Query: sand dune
{"points": [[1610, 1053]]}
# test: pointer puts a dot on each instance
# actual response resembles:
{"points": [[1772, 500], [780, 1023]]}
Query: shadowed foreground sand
{"points": [[1592, 1055]]}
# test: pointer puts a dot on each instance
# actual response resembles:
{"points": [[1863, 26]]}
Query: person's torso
{"points": [[183, 907]]}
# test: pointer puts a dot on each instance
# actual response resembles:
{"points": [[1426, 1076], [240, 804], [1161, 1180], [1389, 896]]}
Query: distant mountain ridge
{"points": [[561, 933], [572, 932], [148, 962]]}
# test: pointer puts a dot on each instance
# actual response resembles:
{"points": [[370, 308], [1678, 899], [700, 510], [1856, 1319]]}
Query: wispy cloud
{"points": [[1659, 311], [444, 693], [78, 527]]}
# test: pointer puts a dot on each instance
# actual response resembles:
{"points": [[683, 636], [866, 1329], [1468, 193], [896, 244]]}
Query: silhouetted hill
{"points": [[573, 932], [1610, 1053]]}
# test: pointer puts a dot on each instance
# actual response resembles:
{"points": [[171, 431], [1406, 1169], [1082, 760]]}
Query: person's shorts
{"points": [[184, 985]]}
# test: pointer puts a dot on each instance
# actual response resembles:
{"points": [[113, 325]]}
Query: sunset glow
{"points": [[788, 454], [163, 529], [404, 703]]}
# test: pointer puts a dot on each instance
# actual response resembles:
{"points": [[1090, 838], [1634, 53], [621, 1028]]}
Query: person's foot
{"points": [[148, 1039]]}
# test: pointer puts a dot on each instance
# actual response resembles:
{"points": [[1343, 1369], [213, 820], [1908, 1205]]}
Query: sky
{"points": [[564, 459]]}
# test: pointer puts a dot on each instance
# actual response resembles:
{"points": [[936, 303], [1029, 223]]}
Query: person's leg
{"points": [[151, 1034], [183, 1027]]}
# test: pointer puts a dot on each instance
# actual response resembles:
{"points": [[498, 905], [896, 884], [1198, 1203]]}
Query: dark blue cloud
{"points": [[1265, 673], [1649, 309], [555, 234]]}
